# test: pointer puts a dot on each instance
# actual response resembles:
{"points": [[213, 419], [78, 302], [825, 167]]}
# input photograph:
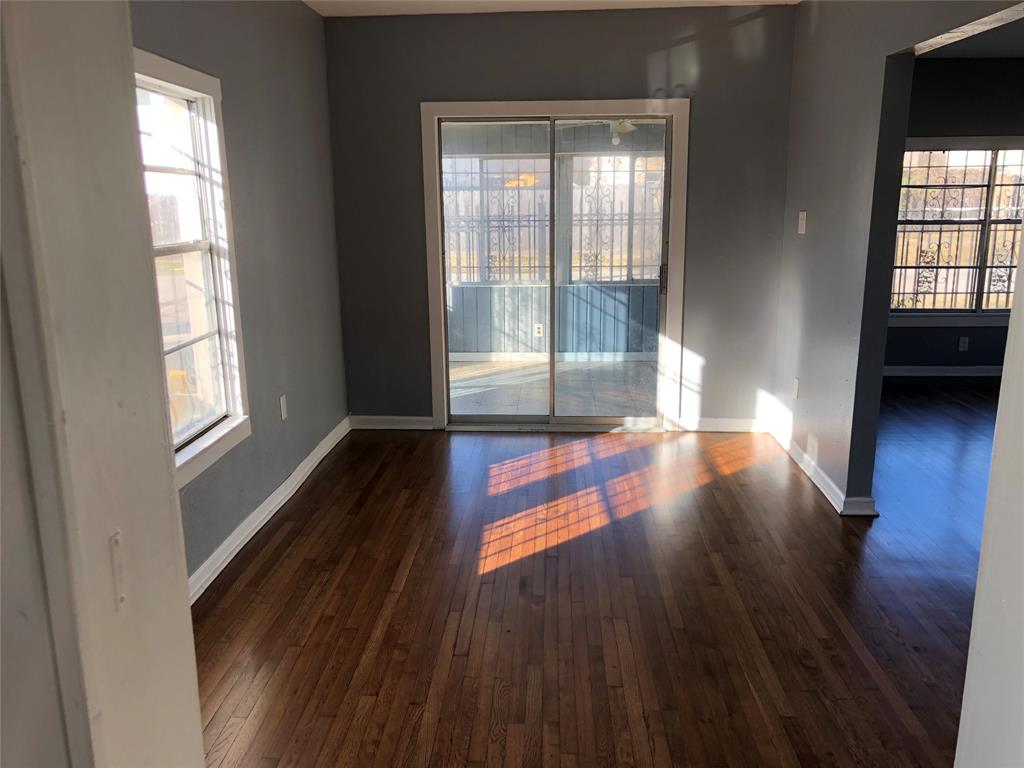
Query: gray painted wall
{"points": [[838, 65], [270, 60], [733, 62]]}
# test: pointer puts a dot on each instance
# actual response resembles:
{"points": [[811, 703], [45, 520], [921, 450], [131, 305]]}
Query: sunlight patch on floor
{"points": [[643, 488], [549, 462], [551, 523], [541, 527], [737, 454]]}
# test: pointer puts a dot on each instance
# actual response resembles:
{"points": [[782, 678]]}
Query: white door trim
{"points": [[671, 337]]}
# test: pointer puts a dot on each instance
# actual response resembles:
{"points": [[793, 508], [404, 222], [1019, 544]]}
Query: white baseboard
{"points": [[825, 484], [215, 563], [852, 506], [728, 425], [859, 506], [391, 422], [847, 506], [942, 370]]}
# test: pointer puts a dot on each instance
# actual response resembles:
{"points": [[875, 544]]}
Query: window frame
{"points": [[997, 316], [199, 451]]}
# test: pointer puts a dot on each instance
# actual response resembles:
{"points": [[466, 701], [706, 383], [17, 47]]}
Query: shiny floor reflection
{"points": [[621, 599]]}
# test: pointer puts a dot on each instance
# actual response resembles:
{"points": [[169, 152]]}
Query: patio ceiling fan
{"points": [[617, 127]]}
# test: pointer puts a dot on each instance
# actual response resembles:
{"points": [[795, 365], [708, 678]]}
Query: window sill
{"points": [[199, 455], [948, 319]]}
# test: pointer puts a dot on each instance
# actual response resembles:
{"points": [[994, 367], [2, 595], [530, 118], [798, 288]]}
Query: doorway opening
{"points": [[558, 268]]}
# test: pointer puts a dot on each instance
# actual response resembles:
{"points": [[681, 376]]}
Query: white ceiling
{"points": [[412, 7]]}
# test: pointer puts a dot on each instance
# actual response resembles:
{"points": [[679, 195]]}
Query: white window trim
{"points": [[201, 453]]}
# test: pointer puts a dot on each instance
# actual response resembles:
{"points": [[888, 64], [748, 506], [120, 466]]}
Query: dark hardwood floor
{"points": [[577, 600]]}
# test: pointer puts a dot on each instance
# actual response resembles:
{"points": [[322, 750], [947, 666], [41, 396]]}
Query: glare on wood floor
{"points": [[547, 525]]}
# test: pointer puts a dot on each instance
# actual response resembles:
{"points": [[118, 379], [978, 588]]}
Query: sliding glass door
{"points": [[553, 245], [610, 186]]}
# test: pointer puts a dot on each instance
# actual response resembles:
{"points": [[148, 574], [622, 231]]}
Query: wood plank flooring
{"points": [[437, 599]]}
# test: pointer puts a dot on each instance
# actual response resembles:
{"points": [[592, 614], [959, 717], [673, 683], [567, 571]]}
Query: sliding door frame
{"points": [[670, 338]]}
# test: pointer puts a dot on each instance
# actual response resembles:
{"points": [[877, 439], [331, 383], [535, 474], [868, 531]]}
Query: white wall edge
{"points": [[942, 370], [215, 563], [391, 422]]}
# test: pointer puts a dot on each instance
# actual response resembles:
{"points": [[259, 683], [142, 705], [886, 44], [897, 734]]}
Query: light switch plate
{"points": [[963, 343], [284, 407], [801, 223]]}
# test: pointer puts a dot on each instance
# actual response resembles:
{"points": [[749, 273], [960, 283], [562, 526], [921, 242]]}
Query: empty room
{"points": [[512, 383]]}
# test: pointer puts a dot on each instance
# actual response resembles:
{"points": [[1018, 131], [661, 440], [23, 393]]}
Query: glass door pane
{"points": [[609, 195], [496, 205]]}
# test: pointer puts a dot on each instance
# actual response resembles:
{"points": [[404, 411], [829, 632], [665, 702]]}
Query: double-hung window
{"points": [[186, 186], [958, 240]]}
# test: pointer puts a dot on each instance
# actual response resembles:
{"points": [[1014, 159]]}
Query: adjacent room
{"points": [[958, 244], [512, 382]]}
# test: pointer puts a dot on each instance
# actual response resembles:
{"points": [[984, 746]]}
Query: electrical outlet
{"points": [[962, 344], [538, 330], [796, 388], [284, 407], [801, 223]]}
